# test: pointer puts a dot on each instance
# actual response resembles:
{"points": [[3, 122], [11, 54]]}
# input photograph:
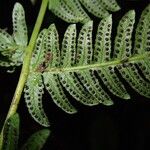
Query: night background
{"points": [[123, 126]]}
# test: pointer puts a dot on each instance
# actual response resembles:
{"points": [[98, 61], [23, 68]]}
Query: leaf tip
{"points": [[131, 14]]}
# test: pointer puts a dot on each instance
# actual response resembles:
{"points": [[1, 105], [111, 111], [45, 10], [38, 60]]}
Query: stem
{"points": [[26, 64], [94, 66]]}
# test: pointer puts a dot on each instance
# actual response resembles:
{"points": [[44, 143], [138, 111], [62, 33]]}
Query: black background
{"points": [[123, 126]]}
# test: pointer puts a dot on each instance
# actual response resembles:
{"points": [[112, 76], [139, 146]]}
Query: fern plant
{"points": [[72, 11], [11, 136], [75, 65]]}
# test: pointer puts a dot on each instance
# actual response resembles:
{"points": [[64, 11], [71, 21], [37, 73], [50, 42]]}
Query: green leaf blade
{"points": [[142, 41], [19, 25], [144, 66], [131, 75], [74, 87], [78, 10], [37, 140], [11, 133], [110, 5], [95, 8], [68, 47], [91, 83], [53, 86], [123, 42], [112, 82], [142, 36], [38, 56], [84, 46], [60, 9], [102, 47], [52, 59], [33, 97], [5, 38]]}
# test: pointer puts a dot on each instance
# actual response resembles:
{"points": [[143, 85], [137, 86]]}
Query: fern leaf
{"points": [[102, 47], [11, 133], [84, 57], [52, 55], [34, 85], [33, 97], [53, 86], [110, 5], [94, 7], [132, 76], [69, 80], [123, 45], [74, 87], [7, 43], [20, 34], [84, 46], [102, 51], [92, 85], [38, 58], [42, 57], [72, 11], [5, 40], [37, 140], [75, 67], [68, 49], [19, 25], [62, 10], [51, 81], [142, 41], [13, 46], [123, 51], [78, 10]]}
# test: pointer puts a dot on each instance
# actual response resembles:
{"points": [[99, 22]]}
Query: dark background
{"points": [[123, 126]]}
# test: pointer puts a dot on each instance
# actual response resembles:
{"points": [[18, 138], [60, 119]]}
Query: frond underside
{"points": [[78, 64]]}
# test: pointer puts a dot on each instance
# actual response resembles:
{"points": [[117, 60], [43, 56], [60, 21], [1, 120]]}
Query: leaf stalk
{"points": [[26, 65]]}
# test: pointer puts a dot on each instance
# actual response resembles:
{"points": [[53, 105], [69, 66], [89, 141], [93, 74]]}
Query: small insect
{"points": [[41, 67], [44, 64]]}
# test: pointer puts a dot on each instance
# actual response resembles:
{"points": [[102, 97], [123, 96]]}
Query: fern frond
{"points": [[51, 81], [72, 11], [44, 51], [13, 46], [34, 86], [37, 140], [84, 57], [68, 58], [62, 10], [110, 5], [11, 136], [94, 7], [142, 41], [33, 97], [123, 42], [19, 25], [5, 38], [102, 52], [11, 133], [123, 45], [77, 65], [76, 7], [7, 43]]}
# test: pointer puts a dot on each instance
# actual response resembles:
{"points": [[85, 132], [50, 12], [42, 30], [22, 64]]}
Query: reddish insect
{"points": [[48, 57], [44, 64]]}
